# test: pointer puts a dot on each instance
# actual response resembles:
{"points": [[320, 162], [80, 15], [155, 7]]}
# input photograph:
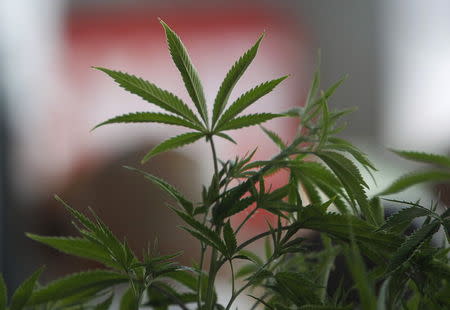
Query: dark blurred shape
{"points": [[130, 205]]}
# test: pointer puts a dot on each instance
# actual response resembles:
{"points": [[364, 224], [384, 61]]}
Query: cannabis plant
{"points": [[387, 268]]}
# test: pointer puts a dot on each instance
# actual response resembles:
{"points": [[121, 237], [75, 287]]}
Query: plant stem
{"points": [[236, 294], [200, 277], [232, 278], [209, 301]]}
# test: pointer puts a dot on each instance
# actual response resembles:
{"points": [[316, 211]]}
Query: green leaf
{"points": [[23, 293], [404, 216], [189, 74], [347, 165], [297, 288], [229, 238], [336, 225], [260, 300], [98, 233], [415, 178], [424, 157], [202, 230], [247, 99], [233, 207], [128, 300], [274, 137], [172, 143], [150, 117], [247, 120], [233, 75], [248, 255], [246, 270], [161, 296], [106, 304], [152, 94], [310, 189], [351, 178], [78, 247], [413, 242], [383, 295], [317, 172], [360, 276], [342, 145], [315, 84], [226, 137], [268, 250], [330, 91], [172, 191], [84, 220], [93, 281], [184, 277], [377, 210], [3, 293], [325, 124]]}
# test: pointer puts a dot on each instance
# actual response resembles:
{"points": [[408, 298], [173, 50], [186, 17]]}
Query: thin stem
{"points": [[214, 154], [255, 238], [232, 278], [209, 302], [200, 277], [236, 294]]}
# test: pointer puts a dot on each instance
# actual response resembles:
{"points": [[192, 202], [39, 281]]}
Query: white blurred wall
{"points": [[415, 49]]}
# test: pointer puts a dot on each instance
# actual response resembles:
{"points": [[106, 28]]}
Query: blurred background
{"points": [[396, 53]]}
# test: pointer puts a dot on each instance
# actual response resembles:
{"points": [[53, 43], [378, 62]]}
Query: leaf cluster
{"points": [[325, 192]]}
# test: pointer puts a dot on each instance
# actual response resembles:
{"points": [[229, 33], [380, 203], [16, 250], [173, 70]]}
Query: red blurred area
{"points": [[132, 40]]}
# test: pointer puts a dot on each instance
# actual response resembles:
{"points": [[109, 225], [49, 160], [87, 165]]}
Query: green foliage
{"points": [[3, 294], [24, 292], [325, 192]]}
